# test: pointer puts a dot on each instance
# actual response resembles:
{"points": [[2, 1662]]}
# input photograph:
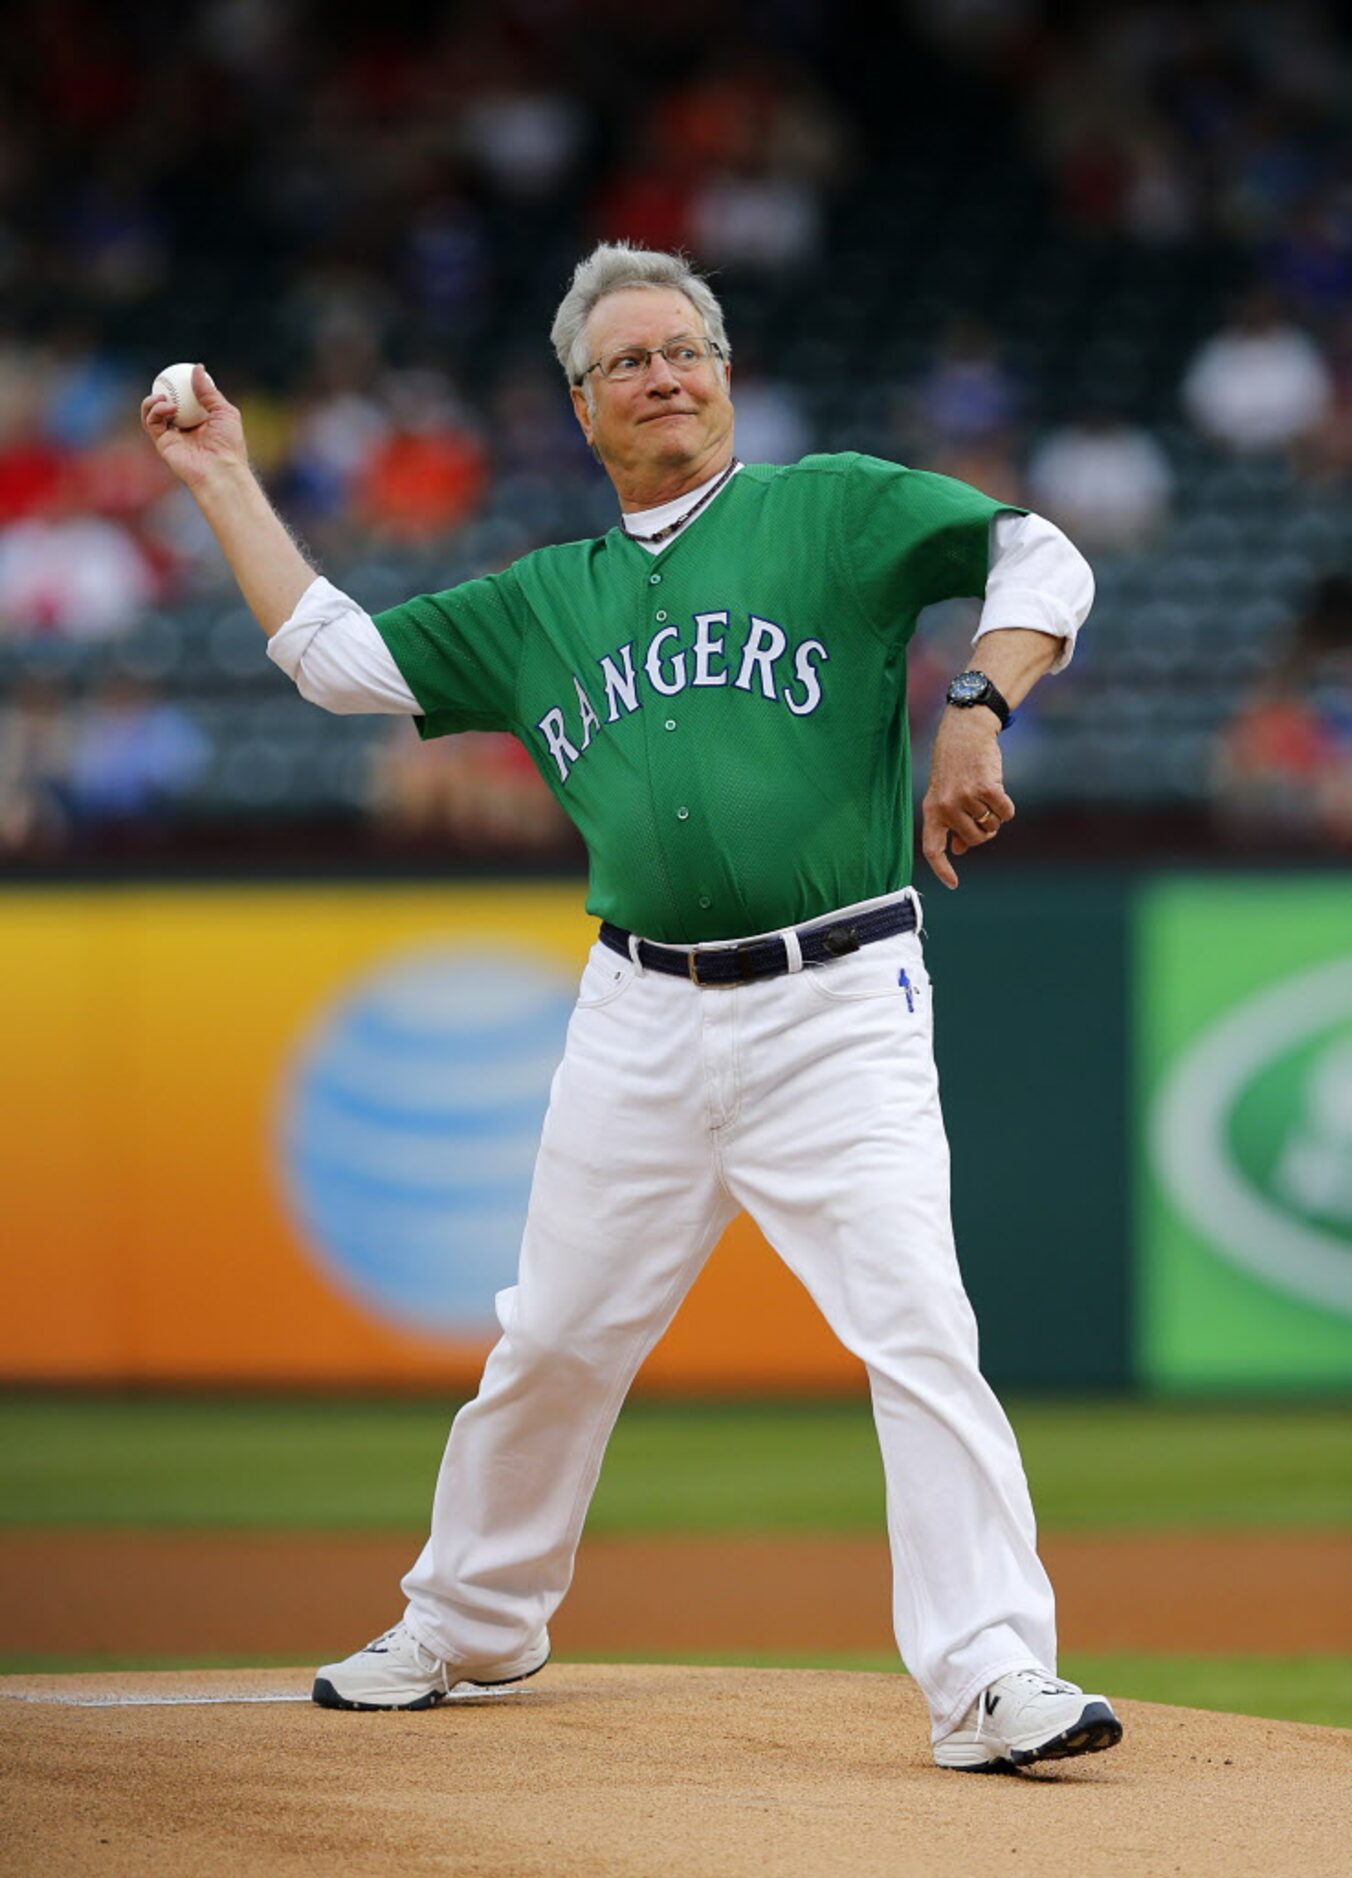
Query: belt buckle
{"points": [[740, 953], [744, 976]]}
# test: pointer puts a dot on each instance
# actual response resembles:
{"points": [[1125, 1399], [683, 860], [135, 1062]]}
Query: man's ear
{"points": [[581, 412]]}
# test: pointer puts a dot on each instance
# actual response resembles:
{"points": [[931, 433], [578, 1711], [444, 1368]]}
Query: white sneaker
{"points": [[1028, 1716], [395, 1671]]}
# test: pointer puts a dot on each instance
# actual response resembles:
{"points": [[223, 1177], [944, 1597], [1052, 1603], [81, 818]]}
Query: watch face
{"points": [[967, 688]]}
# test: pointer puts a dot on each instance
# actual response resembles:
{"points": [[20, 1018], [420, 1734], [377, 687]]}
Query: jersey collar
{"points": [[649, 521]]}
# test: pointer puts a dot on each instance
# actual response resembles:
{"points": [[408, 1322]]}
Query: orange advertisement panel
{"points": [[283, 1136]]}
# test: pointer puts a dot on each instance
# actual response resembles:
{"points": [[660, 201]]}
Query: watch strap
{"points": [[986, 692]]}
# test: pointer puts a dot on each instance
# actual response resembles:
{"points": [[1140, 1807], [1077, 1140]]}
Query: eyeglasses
{"points": [[632, 362]]}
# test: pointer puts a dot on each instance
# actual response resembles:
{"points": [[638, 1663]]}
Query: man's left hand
{"points": [[965, 804]]}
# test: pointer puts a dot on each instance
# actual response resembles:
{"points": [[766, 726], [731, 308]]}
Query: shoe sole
{"points": [[1097, 1729], [326, 1696]]}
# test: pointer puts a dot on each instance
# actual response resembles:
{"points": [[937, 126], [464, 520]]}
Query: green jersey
{"points": [[724, 721]]}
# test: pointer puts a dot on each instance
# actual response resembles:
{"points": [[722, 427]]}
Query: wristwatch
{"points": [[970, 688]]}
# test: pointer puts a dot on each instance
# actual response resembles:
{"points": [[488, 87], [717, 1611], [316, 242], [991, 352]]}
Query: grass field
{"points": [[74, 1461], [1288, 1688], [344, 1466]]}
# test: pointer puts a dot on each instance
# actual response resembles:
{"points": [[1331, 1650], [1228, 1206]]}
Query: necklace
{"points": [[674, 528]]}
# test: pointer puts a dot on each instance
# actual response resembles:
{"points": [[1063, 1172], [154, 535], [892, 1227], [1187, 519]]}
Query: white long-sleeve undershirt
{"points": [[1037, 580]]}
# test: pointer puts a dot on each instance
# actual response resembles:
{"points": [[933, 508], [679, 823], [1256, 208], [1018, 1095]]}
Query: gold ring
{"points": [[981, 820]]}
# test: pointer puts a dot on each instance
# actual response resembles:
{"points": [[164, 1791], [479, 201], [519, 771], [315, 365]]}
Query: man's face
{"points": [[663, 420]]}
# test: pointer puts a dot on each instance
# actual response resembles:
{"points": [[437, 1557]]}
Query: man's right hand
{"points": [[197, 455], [213, 463]]}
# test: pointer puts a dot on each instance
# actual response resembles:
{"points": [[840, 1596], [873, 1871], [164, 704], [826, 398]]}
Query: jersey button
{"points": [[682, 815], [654, 580], [660, 614], [705, 902], [670, 723]]}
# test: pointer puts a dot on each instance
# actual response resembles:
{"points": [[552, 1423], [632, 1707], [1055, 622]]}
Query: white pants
{"points": [[811, 1101]]}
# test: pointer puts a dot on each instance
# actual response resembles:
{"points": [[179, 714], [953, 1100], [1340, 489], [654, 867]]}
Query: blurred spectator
{"points": [[35, 744], [945, 636], [960, 417], [1107, 482], [479, 789], [1283, 765], [367, 232], [973, 29], [1161, 199], [1094, 176], [72, 575], [1327, 452], [524, 137], [268, 422], [750, 111], [734, 163], [1310, 260], [86, 391], [429, 473], [1164, 120], [31, 461], [723, 116], [772, 426], [533, 429], [446, 263], [986, 463], [1268, 164], [132, 754], [116, 476], [1260, 383], [757, 218], [968, 395], [114, 240], [648, 200], [337, 432]]}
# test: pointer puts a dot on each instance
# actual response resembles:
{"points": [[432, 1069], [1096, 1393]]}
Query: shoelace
{"points": [[1044, 1684], [429, 1664], [379, 1646]]}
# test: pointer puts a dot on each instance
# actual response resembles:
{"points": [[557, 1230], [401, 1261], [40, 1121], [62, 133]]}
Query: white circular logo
{"points": [[411, 1116], [1289, 1224]]}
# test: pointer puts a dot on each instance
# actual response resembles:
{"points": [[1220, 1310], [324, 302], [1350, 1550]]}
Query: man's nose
{"points": [[663, 378]]}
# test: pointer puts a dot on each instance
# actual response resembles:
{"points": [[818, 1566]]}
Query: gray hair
{"points": [[610, 267]]}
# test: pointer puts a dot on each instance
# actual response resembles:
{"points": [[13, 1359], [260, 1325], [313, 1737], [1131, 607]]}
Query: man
{"points": [[715, 692]]}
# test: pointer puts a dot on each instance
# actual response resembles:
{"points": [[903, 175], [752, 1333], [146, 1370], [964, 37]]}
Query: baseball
{"points": [[175, 382]]}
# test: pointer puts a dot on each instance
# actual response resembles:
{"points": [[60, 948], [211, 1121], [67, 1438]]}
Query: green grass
{"points": [[1286, 1688], [353, 1465]]}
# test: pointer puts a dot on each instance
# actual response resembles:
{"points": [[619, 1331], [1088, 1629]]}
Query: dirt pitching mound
{"points": [[624, 1772]]}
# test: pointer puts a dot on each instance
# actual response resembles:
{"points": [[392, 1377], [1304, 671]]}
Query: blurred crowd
{"points": [[1284, 765], [364, 229]]}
